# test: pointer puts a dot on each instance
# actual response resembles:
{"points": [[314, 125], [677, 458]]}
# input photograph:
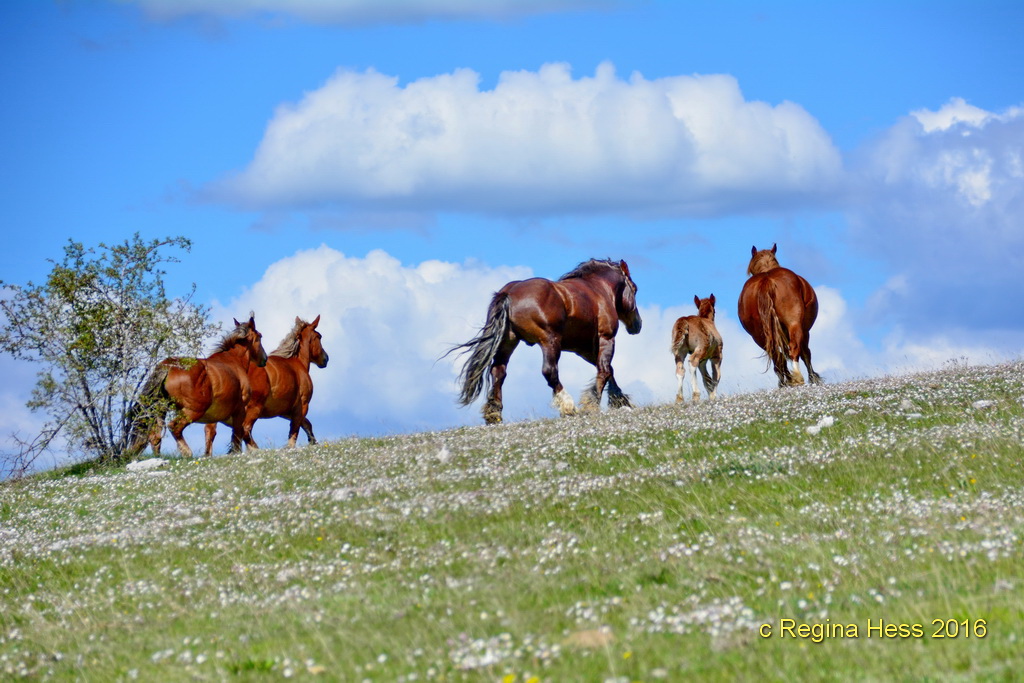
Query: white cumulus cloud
{"points": [[941, 200], [537, 142]]}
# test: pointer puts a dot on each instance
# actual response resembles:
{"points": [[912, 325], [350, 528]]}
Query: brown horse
{"points": [[697, 336], [578, 313], [204, 390], [284, 387], [777, 308]]}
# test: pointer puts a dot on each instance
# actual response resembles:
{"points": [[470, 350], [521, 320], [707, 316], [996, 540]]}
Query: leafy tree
{"points": [[98, 325]]}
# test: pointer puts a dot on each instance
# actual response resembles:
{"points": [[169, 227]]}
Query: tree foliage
{"points": [[98, 325]]}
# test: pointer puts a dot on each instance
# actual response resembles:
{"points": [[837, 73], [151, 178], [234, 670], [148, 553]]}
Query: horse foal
{"points": [[697, 336]]}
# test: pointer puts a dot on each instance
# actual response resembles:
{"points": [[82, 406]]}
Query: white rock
{"points": [[145, 465], [981, 405], [823, 422], [907, 404], [343, 494], [443, 455]]}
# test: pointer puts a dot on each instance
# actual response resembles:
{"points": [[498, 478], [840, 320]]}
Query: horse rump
{"points": [[149, 407]]}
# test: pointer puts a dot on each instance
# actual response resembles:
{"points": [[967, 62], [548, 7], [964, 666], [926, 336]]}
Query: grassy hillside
{"points": [[658, 543]]}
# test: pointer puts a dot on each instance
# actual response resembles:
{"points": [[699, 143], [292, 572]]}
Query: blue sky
{"points": [[388, 165]]}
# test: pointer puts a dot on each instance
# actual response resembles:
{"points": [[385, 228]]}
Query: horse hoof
{"points": [[563, 402], [679, 399]]}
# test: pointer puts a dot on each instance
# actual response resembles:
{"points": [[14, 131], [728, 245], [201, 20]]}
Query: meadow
{"points": [[865, 530]]}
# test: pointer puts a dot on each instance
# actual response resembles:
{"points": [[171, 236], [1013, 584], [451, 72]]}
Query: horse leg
{"points": [[177, 427], [211, 434], [561, 399], [805, 354], [251, 415], [716, 376], [796, 342], [591, 399], [156, 434], [237, 433], [499, 369], [616, 398], [680, 375], [781, 371], [307, 427], [695, 369], [294, 422]]}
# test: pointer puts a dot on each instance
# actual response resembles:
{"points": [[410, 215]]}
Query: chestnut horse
{"points": [[777, 308], [578, 313], [284, 387], [204, 390], [697, 336]]}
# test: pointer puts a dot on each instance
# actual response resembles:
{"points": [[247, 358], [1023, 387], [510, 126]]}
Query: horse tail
{"points": [[139, 417], [775, 338], [680, 336], [483, 348]]}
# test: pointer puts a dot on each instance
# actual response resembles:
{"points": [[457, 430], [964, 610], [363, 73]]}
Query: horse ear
{"points": [[252, 321], [237, 324], [625, 269], [753, 251], [315, 322], [774, 246], [712, 298], [696, 301]]}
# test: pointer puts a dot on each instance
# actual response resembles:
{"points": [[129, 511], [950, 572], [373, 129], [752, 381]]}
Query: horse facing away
{"points": [[204, 390], [777, 308], [284, 387], [697, 336], [578, 313]]}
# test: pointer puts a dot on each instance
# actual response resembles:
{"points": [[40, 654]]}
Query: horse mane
{"points": [[289, 346], [590, 267], [762, 262], [233, 337]]}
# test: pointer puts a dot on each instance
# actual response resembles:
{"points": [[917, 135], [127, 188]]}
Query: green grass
{"points": [[668, 536]]}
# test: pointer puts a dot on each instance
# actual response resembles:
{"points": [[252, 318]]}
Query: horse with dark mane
{"points": [[284, 387], [697, 336], [777, 308], [205, 390], [578, 313]]}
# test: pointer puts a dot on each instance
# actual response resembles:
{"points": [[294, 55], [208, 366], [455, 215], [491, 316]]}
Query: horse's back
{"points": [[536, 308]]}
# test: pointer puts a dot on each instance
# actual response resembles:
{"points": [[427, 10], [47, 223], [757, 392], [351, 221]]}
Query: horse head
{"points": [[252, 339], [762, 261], [626, 304], [313, 341], [705, 307]]}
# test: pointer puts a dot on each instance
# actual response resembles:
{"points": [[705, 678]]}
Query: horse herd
{"points": [[580, 313]]}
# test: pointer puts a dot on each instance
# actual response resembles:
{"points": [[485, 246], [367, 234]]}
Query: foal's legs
{"points": [[680, 375]]}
